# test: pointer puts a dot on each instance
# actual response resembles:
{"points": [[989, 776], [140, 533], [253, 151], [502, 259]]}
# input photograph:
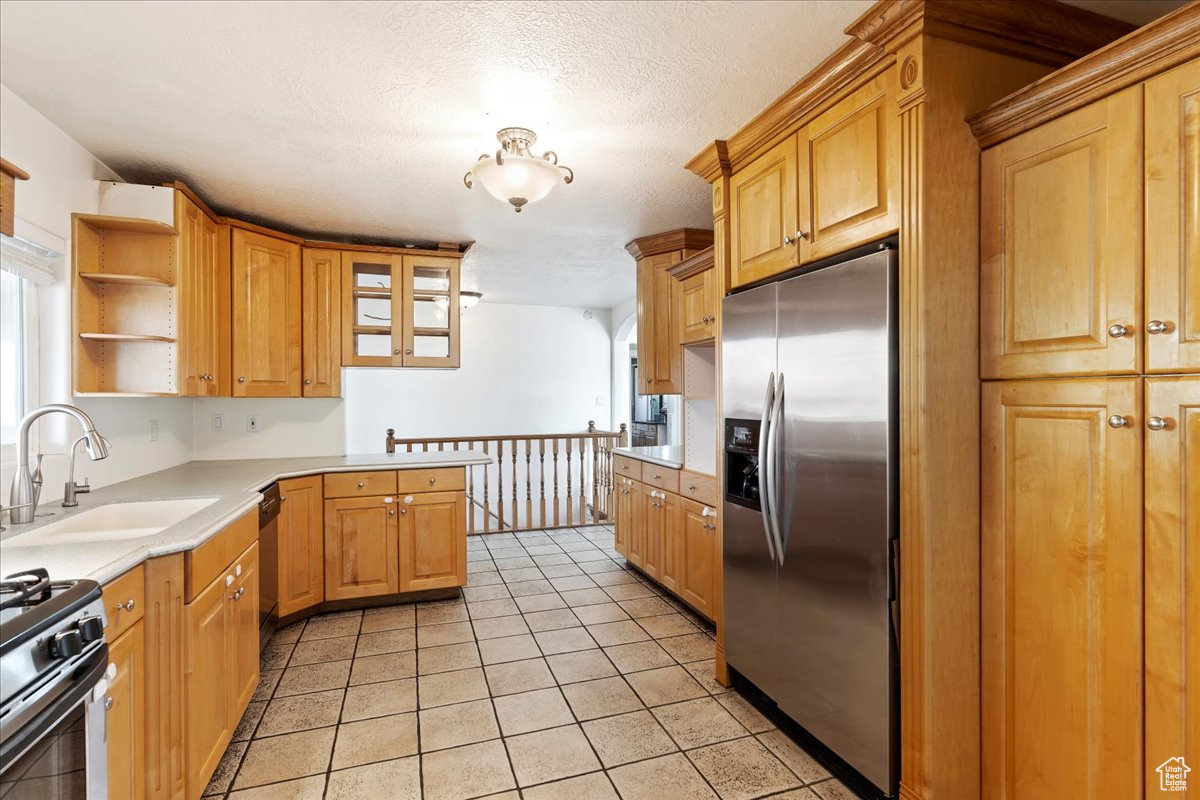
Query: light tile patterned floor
{"points": [[560, 673]]}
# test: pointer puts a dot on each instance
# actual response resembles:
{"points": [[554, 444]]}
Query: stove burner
{"points": [[26, 585]]}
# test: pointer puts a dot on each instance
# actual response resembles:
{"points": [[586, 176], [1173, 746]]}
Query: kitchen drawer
{"points": [[204, 564], [627, 467], [360, 484], [450, 479], [664, 478], [699, 487], [124, 601]]}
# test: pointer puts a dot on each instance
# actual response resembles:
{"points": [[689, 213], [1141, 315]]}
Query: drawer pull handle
{"points": [[708, 512], [408, 498], [126, 606], [691, 487]]}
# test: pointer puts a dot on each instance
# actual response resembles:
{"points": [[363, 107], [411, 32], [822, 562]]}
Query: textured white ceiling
{"points": [[361, 117]]}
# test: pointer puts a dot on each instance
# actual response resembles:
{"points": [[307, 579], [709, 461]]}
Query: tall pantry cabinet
{"points": [[1090, 286]]}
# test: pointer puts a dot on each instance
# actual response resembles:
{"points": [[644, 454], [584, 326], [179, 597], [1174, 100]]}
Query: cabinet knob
{"points": [[1117, 421], [432, 481], [241, 379], [408, 352], [308, 381], [396, 352], [127, 605], [1158, 424], [361, 484], [108, 703], [403, 511], [788, 240], [392, 512], [1157, 326], [1117, 330]]}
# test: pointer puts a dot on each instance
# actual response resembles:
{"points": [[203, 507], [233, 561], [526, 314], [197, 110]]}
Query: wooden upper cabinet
{"points": [[361, 548], [266, 315], [433, 540], [432, 313], [1061, 589], [699, 297], [1172, 574], [1172, 321], [848, 172], [301, 545], [203, 303], [699, 557], [125, 719], [765, 215], [321, 283], [400, 310], [1061, 239], [660, 364]]}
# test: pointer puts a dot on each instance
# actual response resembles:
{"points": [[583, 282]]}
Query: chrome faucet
{"points": [[71, 488], [23, 498]]}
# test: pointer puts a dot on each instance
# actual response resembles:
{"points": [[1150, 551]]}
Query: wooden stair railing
{"points": [[538, 481]]}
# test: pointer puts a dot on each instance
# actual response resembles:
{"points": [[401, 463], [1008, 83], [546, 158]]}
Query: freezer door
{"points": [[836, 490], [750, 604]]}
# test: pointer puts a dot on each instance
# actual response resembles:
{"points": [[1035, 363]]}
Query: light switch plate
{"points": [[218, 422], [252, 423]]}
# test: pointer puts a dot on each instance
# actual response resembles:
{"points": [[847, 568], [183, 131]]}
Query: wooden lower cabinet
{"points": [[671, 539], [208, 681], [1172, 454], [670, 544], [433, 547], [125, 719], [698, 546], [1061, 593], [362, 547], [220, 665], [301, 555]]}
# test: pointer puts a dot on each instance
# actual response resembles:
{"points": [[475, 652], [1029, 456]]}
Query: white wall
{"points": [[61, 182], [623, 323], [525, 369]]}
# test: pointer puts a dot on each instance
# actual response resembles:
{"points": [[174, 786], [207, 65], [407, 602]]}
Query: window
{"points": [[14, 350], [23, 266]]}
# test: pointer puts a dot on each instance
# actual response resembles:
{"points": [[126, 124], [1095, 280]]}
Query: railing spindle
{"points": [[487, 511], [570, 487], [516, 520], [555, 441], [542, 482], [595, 480], [500, 482]]}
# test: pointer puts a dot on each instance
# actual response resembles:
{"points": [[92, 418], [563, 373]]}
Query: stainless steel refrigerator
{"points": [[809, 395]]}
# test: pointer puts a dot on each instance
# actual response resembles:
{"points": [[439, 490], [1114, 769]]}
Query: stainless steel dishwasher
{"points": [[268, 561]]}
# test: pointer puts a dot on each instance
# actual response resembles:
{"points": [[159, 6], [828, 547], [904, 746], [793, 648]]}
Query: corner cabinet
{"points": [[266, 311], [400, 310]]}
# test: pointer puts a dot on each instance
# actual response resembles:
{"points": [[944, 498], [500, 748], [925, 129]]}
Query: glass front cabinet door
{"points": [[400, 310]]}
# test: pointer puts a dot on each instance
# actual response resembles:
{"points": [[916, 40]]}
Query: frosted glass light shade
{"points": [[520, 180]]}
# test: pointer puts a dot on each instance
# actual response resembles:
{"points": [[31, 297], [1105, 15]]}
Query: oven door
{"points": [[60, 752]]}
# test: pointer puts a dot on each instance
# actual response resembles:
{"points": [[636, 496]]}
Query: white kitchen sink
{"points": [[113, 522]]}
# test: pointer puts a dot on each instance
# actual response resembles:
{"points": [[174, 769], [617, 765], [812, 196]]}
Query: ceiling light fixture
{"points": [[465, 300], [515, 175]]}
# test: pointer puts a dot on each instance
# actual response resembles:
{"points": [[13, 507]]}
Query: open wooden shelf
{"points": [[125, 337], [125, 279], [99, 222]]}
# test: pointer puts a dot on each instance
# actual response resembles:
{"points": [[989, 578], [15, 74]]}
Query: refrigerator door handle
{"points": [[772, 467], [764, 482]]}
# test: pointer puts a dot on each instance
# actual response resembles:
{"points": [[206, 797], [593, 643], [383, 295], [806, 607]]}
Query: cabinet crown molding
{"points": [[703, 260], [679, 239], [1149, 50], [1043, 31]]}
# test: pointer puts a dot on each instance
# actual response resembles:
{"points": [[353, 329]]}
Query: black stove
{"points": [[53, 666]]}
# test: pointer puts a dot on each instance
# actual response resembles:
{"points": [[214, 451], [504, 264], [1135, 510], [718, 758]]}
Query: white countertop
{"points": [[234, 484], [671, 457]]}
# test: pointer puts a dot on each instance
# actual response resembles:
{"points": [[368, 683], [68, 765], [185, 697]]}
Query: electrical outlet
{"points": [[252, 423], [154, 430], [218, 422]]}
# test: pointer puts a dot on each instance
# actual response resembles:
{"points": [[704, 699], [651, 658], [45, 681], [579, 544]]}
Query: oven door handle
{"points": [[87, 676]]}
